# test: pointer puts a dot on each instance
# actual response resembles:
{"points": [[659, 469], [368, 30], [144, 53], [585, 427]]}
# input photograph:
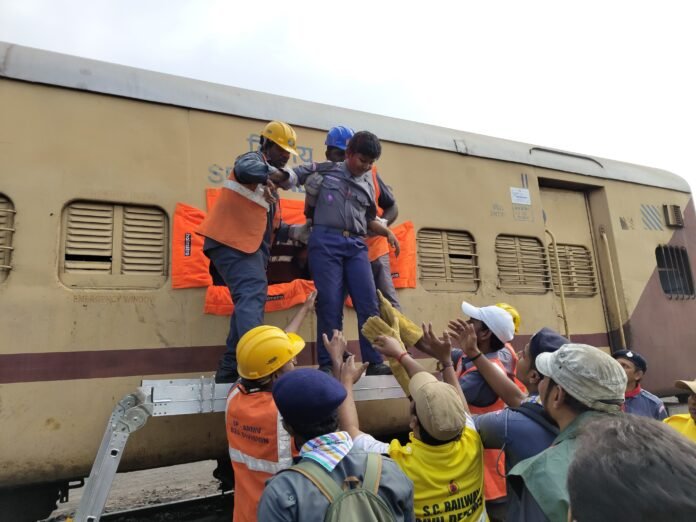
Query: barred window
{"points": [[522, 266], [447, 260], [113, 246], [7, 213], [674, 270], [577, 270]]}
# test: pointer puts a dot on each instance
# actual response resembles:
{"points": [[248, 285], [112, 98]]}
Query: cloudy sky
{"points": [[608, 78]]}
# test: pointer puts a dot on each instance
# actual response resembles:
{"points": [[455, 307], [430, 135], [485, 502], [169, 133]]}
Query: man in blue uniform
{"points": [[638, 401], [336, 144], [344, 213]]}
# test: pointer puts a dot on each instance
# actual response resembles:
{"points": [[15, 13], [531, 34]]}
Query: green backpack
{"points": [[354, 501]]}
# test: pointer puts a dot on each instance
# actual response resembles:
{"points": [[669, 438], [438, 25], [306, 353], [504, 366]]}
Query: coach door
{"points": [[573, 265]]}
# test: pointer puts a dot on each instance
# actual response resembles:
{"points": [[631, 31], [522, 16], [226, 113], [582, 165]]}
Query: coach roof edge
{"points": [[47, 67]]}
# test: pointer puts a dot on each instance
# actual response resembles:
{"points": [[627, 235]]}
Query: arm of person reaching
{"points": [[299, 317], [496, 378], [441, 350], [377, 227]]}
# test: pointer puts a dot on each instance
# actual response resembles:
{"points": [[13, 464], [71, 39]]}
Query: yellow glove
{"points": [[409, 331], [373, 328]]}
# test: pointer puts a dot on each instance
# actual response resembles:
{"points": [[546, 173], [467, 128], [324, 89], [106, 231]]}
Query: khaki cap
{"points": [[686, 385], [438, 406]]}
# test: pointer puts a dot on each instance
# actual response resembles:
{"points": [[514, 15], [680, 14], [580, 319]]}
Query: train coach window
{"points": [[113, 246], [447, 260], [674, 270], [7, 213], [522, 267], [577, 271]]}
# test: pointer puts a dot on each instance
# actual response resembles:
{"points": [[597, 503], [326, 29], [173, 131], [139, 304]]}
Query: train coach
{"points": [[95, 158]]}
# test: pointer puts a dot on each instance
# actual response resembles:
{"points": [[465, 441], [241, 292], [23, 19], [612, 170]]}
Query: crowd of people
{"points": [[559, 431]]}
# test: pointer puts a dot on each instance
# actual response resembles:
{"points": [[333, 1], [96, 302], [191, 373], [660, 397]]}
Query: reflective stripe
{"points": [[257, 464], [267, 466], [256, 197]]}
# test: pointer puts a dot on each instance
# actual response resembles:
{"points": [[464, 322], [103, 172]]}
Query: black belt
{"points": [[338, 231]]}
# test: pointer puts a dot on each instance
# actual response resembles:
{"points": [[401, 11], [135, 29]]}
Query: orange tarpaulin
{"points": [[190, 266], [281, 296]]}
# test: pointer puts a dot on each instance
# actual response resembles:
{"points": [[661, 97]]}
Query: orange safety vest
{"points": [[238, 217], [189, 263], [493, 459], [377, 246], [259, 447]]}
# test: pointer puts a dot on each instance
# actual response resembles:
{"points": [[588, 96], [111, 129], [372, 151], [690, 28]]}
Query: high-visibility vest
{"points": [[494, 485], [377, 246], [189, 263], [239, 216], [403, 268], [259, 447]]}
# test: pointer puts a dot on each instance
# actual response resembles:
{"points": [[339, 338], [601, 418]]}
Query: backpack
{"points": [[352, 501]]}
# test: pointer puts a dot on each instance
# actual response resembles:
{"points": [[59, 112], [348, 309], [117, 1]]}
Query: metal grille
{"points": [[447, 260], [143, 247], [522, 267], [7, 213], [89, 238], [674, 269], [577, 270]]}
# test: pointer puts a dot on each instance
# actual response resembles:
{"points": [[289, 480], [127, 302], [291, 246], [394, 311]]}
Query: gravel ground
{"points": [[154, 486]]}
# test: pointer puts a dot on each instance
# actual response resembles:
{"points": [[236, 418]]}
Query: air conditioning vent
{"points": [[673, 216]]}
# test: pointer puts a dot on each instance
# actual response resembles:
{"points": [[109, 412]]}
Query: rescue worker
{"points": [[523, 429], [580, 383], [443, 457], [638, 401], [308, 400], [387, 211], [344, 212], [685, 423], [493, 327], [240, 228], [259, 446]]}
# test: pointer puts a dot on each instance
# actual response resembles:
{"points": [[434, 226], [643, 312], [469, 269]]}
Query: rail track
{"points": [[209, 508]]}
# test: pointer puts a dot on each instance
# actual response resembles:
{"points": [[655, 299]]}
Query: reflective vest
{"points": [[377, 246], [238, 218], [493, 459], [259, 447]]}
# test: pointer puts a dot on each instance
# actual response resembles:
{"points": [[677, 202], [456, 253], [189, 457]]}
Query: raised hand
{"points": [[350, 372], [465, 335], [388, 346], [440, 349], [336, 346]]}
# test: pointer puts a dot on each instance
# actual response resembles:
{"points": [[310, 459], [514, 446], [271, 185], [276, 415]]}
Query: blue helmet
{"points": [[338, 137]]}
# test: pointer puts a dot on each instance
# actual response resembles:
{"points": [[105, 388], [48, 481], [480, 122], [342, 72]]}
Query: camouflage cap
{"points": [[586, 373]]}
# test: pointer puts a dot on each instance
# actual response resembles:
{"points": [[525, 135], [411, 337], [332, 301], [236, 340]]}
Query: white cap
{"points": [[496, 319]]}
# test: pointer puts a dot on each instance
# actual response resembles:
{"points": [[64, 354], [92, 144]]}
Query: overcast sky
{"points": [[610, 78]]}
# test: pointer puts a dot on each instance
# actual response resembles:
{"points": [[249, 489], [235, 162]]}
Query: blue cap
{"points": [[637, 359], [307, 395], [545, 340], [339, 136]]}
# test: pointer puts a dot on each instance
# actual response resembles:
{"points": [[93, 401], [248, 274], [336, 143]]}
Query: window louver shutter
{"points": [[447, 260], [89, 238], [522, 267], [143, 249], [6, 232], [577, 271]]}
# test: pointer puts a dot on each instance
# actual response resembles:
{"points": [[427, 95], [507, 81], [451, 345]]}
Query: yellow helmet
{"points": [[516, 319], [264, 350], [282, 135]]}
